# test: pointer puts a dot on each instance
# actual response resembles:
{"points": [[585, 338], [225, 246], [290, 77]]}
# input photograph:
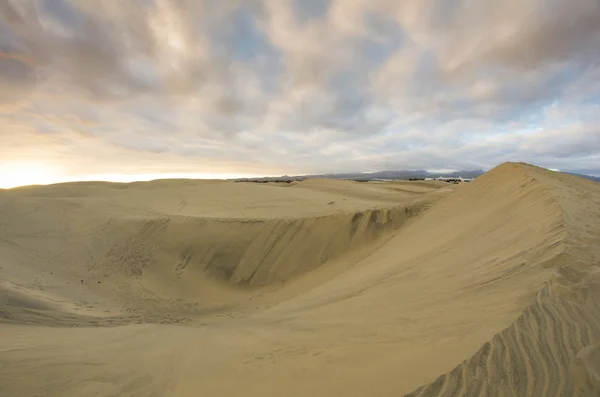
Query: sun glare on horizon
{"points": [[18, 174], [15, 174]]}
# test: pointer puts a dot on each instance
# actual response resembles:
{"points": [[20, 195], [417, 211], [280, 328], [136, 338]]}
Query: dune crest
{"points": [[316, 288], [551, 349]]}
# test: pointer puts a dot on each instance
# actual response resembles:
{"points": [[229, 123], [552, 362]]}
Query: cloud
{"points": [[299, 86]]}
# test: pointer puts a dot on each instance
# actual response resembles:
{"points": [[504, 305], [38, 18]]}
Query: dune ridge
{"points": [[552, 348], [499, 275]]}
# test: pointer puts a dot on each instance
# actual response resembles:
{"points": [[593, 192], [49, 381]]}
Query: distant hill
{"points": [[363, 176], [397, 175], [590, 177]]}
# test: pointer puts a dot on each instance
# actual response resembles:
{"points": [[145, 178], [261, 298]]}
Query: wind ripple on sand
{"points": [[551, 350]]}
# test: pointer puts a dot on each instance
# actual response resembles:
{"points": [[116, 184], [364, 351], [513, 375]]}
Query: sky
{"points": [[137, 89]]}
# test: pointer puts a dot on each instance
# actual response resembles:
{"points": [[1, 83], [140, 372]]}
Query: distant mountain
{"points": [[362, 176], [590, 177]]}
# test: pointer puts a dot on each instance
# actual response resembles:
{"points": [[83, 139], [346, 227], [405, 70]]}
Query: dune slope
{"points": [[553, 347], [148, 252], [320, 288]]}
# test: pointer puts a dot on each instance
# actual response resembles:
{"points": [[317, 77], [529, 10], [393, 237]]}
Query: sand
{"points": [[315, 288]]}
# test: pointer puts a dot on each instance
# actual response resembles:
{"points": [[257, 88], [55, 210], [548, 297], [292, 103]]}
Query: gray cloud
{"points": [[307, 86]]}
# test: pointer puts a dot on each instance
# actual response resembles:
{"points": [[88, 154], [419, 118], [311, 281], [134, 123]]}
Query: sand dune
{"points": [[552, 347], [181, 240], [318, 288]]}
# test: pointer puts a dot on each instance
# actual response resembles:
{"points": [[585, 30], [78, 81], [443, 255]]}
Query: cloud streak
{"points": [[287, 86]]}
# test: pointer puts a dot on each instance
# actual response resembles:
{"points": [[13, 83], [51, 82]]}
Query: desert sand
{"points": [[313, 288]]}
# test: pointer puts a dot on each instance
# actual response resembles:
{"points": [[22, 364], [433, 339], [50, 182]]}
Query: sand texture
{"points": [[313, 288]]}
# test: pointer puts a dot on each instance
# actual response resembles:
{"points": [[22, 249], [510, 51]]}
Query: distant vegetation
{"points": [[265, 180], [371, 176], [406, 175]]}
